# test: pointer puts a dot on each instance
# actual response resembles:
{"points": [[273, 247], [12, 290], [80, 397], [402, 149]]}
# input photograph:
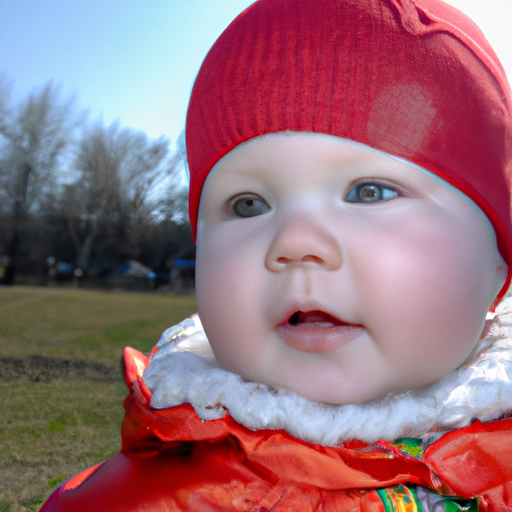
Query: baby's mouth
{"points": [[317, 331], [314, 319]]}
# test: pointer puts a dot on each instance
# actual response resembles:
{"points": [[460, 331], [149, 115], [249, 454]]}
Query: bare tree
{"points": [[5, 100], [33, 137], [116, 171], [5, 116]]}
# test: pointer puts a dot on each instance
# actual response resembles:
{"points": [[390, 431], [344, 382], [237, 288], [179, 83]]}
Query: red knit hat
{"points": [[412, 78]]}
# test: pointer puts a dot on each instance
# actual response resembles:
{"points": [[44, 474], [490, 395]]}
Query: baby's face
{"points": [[331, 269]]}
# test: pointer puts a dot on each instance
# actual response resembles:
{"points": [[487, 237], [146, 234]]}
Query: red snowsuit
{"points": [[172, 460]]}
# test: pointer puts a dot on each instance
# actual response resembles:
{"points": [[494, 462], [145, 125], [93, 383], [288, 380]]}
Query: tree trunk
{"points": [[85, 252]]}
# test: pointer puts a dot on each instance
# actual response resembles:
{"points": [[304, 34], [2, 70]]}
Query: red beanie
{"points": [[412, 78]]}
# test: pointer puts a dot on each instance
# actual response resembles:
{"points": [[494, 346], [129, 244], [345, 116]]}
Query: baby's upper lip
{"points": [[312, 314], [309, 327], [315, 317]]}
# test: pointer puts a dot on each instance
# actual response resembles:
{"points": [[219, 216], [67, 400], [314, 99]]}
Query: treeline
{"points": [[84, 193]]}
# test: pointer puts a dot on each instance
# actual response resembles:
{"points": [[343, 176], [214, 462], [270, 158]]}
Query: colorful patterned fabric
{"points": [[411, 499]]}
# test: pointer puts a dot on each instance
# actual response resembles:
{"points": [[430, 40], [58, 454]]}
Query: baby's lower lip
{"points": [[315, 337]]}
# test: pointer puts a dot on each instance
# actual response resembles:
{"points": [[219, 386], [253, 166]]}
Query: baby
{"points": [[351, 165]]}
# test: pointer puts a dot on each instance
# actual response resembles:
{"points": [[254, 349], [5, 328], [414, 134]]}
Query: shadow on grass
{"points": [[37, 368]]}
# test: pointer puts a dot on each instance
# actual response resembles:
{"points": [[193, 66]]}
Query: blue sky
{"points": [[135, 60], [129, 59]]}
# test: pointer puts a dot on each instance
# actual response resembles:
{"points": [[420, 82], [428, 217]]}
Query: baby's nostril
{"points": [[313, 259], [308, 258]]}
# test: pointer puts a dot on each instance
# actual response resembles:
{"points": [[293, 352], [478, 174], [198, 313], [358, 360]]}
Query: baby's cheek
{"points": [[226, 298]]}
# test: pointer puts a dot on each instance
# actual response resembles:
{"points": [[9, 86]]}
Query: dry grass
{"points": [[52, 430]]}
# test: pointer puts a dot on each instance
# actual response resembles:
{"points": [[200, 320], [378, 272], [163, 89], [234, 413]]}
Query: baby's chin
{"points": [[316, 390]]}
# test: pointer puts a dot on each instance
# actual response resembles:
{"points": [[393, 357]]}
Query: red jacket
{"points": [[172, 460]]}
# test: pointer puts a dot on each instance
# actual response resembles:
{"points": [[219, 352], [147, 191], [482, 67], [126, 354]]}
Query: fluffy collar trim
{"points": [[184, 371]]}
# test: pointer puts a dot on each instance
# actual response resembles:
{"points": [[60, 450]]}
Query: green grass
{"points": [[85, 324], [52, 430]]}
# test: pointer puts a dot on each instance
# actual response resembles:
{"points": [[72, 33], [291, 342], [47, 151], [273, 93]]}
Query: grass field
{"points": [[52, 429]]}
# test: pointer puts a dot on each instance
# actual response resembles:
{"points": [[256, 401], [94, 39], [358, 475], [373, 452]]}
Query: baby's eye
{"points": [[250, 206], [370, 192]]}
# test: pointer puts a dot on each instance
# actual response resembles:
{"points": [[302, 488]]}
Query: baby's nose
{"points": [[303, 243]]}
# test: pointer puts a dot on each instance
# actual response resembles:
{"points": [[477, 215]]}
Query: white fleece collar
{"points": [[184, 371]]}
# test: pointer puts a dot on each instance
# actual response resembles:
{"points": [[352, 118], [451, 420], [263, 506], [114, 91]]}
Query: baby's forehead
{"points": [[285, 161], [268, 154]]}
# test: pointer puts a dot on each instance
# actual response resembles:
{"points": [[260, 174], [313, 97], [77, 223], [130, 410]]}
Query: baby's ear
{"points": [[501, 278], [501, 271]]}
